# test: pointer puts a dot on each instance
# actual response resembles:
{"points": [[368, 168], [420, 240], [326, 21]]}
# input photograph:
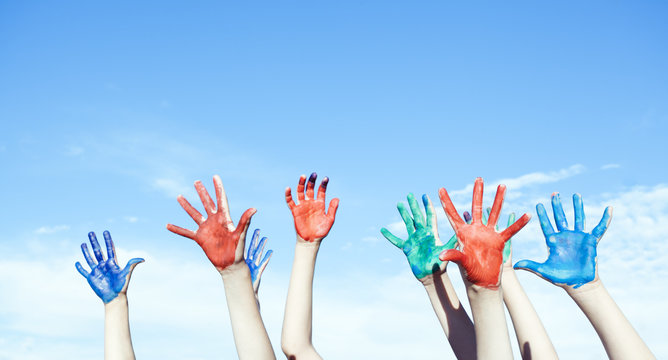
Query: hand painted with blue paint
{"points": [[256, 263], [106, 277], [572, 253], [423, 244]]}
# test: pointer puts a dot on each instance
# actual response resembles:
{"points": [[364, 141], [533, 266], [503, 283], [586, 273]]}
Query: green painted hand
{"points": [[423, 244]]}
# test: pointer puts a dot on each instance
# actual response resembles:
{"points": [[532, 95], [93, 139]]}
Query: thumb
{"points": [[452, 255], [127, 271]]}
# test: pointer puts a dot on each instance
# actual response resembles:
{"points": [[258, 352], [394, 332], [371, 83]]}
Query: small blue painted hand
{"points": [[106, 277], [253, 256], [423, 244], [485, 216], [572, 253]]}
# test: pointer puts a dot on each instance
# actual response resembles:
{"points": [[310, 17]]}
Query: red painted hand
{"points": [[481, 246], [311, 221], [222, 242]]}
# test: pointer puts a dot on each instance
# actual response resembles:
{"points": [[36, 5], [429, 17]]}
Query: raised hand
{"points": [[256, 263], [481, 246], [106, 277], [311, 221], [222, 242], [572, 253], [506, 249], [423, 244]]}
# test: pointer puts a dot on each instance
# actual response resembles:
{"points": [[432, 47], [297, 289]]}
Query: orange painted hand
{"points": [[222, 242], [311, 221], [481, 246]]}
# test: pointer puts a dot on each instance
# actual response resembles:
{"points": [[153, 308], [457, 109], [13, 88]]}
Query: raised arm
{"points": [[480, 260], [312, 224], [110, 283], [223, 243], [422, 249], [572, 265]]}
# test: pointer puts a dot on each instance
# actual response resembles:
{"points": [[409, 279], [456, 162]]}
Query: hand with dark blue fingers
{"points": [[572, 253], [423, 245], [106, 278], [256, 263]]}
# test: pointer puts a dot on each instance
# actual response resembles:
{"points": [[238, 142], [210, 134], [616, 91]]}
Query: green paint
{"points": [[421, 247]]}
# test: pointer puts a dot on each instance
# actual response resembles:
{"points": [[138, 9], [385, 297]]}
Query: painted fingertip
{"points": [[425, 199], [91, 235], [410, 196], [324, 182], [478, 179], [312, 178], [555, 194], [106, 234], [467, 216]]}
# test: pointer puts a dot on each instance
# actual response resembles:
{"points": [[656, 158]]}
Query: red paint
{"points": [[216, 234], [311, 221], [480, 251]]}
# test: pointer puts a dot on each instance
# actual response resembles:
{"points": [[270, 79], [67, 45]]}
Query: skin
{"points": [[312, 224], [110, 284], [422, 249], [572, 265], [480, 259], [223, 243]]}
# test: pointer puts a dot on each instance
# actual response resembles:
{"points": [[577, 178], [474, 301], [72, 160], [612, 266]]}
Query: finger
{"points": [[96, 247], [300, 188], [391, 238], [81, 270], [559, 216], [111, 252], [476, 202], [240, 230], [485, 215], [545, 223], [205, 198], [181, 231], [467, 217], [602, 226], [264, 262], [194, 214], [452, 255], [578, 208], [408, 221], [221, 197], [515, 227], [252, 247], [258, 251], [511, 219], [529, 265], [418, 217], [311, 185], [288, 198], [506, 251], [498, 204], [431, 215], [333, 206], [131, 265], [322, 189], [86, 254], [450, 211]]}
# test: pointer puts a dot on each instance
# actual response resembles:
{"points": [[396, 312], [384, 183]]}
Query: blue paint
{"points": [[254, 254], [106, 277], [420, 248], [572, 253]]}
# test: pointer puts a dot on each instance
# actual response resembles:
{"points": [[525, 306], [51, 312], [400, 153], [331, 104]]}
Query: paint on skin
{"points": [[481, 246], [105, 278], [312, 223], [485, 216], [572, 253], [216, 235], [421, 248], [256, 263]]}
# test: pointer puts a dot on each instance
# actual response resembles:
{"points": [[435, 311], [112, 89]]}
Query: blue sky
{"points": [[109, 111]]}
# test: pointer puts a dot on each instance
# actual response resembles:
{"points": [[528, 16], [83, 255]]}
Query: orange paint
{"points": [[481, 246], [312, 223]]}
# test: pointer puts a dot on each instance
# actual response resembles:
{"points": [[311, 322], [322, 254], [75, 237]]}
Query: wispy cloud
{"points": [[74, 150], [172, 188], [610, 166], [51, 229]]}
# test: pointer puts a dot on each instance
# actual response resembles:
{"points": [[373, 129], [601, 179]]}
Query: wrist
{"points": [[234, 270], [588, 289], [120, 300]]}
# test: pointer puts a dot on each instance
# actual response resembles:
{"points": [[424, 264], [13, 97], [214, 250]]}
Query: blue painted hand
{"points": [[106, 277], [572, 253], [253, 256]]}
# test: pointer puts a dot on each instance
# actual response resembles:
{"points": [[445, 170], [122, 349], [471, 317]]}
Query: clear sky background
{"points": [[110, 110]]}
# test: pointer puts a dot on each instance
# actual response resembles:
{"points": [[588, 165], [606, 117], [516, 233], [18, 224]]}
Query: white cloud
{"points": [[131, 219], [610, 166], [74, 150], [51, 229], [172, 188]]}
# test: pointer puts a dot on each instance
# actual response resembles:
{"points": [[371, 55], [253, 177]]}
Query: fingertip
{"points": [[313, 176]]}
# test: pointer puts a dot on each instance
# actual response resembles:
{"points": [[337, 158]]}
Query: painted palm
{"points": [[485, 216], [572, 253], [106, 278], [423, 244]]}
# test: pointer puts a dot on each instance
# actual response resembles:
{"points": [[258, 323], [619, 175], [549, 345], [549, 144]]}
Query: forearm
{"points": [[250, 335], [454, 320], [531, 335], [491, 331], [296, 335], [618, 336], [117, 340]]}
